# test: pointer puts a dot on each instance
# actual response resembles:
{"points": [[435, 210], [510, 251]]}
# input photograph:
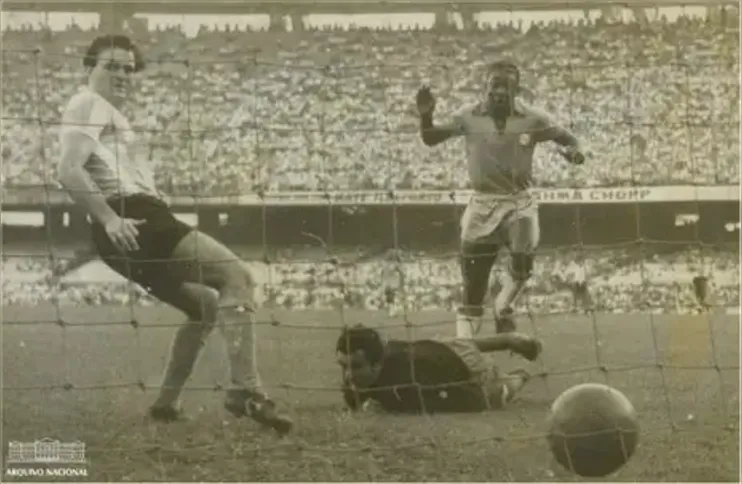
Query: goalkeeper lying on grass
{"points": [[429, 375]]}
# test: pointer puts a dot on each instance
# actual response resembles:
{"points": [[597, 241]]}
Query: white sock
{"points": [[238, 329], [463, 328], [467, 326], [510, 291]]}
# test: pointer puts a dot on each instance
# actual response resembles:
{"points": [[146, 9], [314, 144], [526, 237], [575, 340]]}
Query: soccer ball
{"points": [[593, 429]]}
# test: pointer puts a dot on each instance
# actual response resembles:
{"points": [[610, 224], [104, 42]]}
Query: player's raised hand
{"points": [[123, 233], [425, 101], [572, 154]]}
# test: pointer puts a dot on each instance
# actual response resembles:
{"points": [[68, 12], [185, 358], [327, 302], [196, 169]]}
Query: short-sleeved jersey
{"points": [[427, 376], [576, 273], [116, 166], [502, 161]]}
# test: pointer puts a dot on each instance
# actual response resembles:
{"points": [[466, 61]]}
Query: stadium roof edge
{"points": [[339, 6]]}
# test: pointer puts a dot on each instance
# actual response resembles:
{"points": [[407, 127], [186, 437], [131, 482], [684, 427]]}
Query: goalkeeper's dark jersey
{"points": [[445, 383]]}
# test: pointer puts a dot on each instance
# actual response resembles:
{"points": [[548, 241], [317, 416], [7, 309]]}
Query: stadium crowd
{"points": [[236, 112], [619, 282], [230, 112]]}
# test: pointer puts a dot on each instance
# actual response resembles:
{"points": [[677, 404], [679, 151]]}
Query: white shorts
{"points": [[502, 219]]}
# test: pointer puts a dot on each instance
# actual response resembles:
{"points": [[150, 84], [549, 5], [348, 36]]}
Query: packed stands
{"points": [[239, 112], [235, 112]]}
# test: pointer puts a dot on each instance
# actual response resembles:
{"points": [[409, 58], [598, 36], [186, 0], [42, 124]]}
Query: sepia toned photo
{"points": [[383, 241]]}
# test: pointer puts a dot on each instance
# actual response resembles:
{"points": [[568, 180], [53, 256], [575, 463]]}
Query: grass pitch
{"points": [[681, 373]]}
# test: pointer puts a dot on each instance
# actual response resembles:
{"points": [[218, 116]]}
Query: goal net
{"points": [[293, 139]]}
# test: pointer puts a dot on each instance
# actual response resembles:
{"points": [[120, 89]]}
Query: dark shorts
{"points": [[700, 287], [389, 295], [160, 233], [580, 288]]}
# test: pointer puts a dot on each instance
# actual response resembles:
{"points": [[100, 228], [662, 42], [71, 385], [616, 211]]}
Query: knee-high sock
{"points": [[186, 347], [476, 264], [511, 289], [237, 326]]}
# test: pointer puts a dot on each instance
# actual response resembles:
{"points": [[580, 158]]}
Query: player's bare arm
{"points": [[571, 146], [77, 147], [571, 149], [76, 150], [430, 133]]}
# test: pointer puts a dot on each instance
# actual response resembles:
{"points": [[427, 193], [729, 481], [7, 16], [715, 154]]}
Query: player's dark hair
{"points": [[103, 42], [504, 65], [364, 339]]}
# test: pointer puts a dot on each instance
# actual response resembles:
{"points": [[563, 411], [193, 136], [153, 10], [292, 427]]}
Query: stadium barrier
{"points": [[420, 219]]}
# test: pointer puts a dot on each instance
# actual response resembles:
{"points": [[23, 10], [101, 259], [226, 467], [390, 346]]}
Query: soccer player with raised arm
{"points": [[429, 376], [135, 232], [501, 133]]}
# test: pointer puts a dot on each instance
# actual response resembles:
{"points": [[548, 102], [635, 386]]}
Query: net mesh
{"points": [[329, 112]]}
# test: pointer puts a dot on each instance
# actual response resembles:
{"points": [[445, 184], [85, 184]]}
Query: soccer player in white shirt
{"points": [[137, 235], [393, 281], [577, 280], [501, 133]]}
